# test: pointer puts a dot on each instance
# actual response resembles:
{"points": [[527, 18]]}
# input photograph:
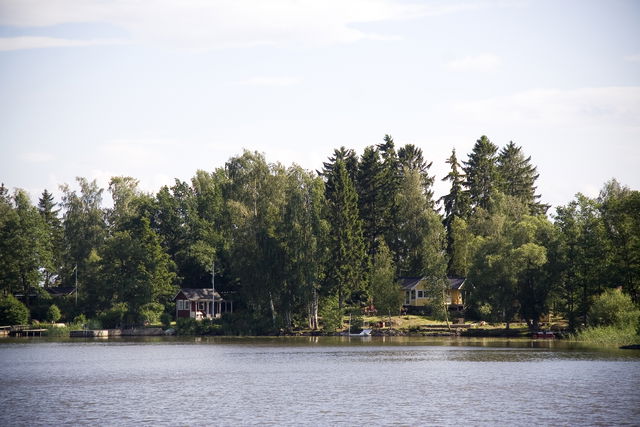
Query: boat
{"points": [[363, 333]]}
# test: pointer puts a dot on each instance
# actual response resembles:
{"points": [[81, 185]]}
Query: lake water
{"points": [[315, 381]]}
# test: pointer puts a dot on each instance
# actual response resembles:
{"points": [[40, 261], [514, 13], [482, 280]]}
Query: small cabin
{"points": [[197, 303], [415, 292]]}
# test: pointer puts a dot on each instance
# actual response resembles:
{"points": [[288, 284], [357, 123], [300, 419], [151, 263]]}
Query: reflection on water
{"points": [[316, 380]]}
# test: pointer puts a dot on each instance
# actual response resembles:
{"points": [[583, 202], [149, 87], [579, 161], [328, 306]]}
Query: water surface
{"points": [[316, 381]]}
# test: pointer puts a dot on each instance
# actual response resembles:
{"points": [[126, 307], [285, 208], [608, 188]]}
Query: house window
{"points": [[413, 294], [420, 294], [183, 304]]}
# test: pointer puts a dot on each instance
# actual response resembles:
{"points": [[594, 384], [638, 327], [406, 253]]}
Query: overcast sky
{"points": [[158, 89]]}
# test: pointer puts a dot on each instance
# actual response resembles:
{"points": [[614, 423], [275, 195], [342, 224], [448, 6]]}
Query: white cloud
{"points": [[19, 43], [268, 81], [616, 106], [37, 157], [138, 151], [477, 63], [203, 24], [632, 58]]}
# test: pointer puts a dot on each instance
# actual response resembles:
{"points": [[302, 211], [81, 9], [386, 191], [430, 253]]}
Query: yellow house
{"points": [[415, 293]]}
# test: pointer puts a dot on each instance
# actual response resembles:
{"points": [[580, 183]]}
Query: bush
{"points": [[80, 319], [151, 312], [245, 323], [331, 314], [12, 311], [53, 313], [165, 319], [186, 326], [614, 308], [190, 326], [115, 317]]}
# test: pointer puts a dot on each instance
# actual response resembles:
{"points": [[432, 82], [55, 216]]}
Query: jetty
{"points": [[25, 331]]}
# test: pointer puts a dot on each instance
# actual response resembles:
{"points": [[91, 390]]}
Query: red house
{"points": [[197, 303]]}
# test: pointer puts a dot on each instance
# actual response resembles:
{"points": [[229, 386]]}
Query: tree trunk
{"points": [[313, 310], [273, 310]]}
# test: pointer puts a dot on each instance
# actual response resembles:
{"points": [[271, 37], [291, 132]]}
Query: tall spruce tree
{"points": [[481, 173], [410, 157], [392, 177], [370, 184], [517, 177], [346, 269], [54, 241], [455, 203]]}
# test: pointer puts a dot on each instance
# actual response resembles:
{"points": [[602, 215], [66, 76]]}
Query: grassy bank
{"points": [[607, 335]]}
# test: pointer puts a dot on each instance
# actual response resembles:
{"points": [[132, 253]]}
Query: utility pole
{"points": [[76, 270]]}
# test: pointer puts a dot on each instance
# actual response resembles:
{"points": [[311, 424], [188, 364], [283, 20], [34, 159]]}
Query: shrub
{"points": [[614, 308], [245, 323], [12, 311], [186, 326], [190, 326], [150, 312], [80, 319], [331, 314], [165, 319], [115, 317], [53, 313]]}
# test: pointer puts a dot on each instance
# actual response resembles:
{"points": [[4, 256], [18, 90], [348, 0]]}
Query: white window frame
{"points": [[420, 294]]}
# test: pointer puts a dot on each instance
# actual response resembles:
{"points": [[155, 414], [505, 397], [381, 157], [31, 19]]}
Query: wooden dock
{"points": [[25, 331]]}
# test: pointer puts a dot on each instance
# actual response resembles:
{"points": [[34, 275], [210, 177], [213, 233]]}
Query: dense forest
{"points": [[297, 248]]}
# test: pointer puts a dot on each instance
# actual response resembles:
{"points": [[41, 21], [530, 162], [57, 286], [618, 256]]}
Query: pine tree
{"points": [[517, 177], [456, 203], [481, 173]]}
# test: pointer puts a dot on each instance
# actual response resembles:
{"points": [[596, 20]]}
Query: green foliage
{"points": [[290, 244], [53, 313], [189, 326], [244, 323], [481, 173], [165, 319], [24, 245], [345, 272], [117, 316], [12, 311], [356, 320], [385, 291], [607, 335], [150, 312], [331, 314], [614, 308]]}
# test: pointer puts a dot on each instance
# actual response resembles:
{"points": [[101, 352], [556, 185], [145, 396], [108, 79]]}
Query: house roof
{"points": [[410, 283], [196, 294], [456, 283], [60, 291]]}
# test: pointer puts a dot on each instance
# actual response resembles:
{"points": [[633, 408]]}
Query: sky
{"points": [[157, 89]]}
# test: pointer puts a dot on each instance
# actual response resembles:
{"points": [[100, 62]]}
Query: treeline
{"points": [[291, 246]]}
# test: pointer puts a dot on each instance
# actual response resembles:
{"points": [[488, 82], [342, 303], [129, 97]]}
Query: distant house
{"points": [[197, 303], [415, 294], [62, 291]]}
